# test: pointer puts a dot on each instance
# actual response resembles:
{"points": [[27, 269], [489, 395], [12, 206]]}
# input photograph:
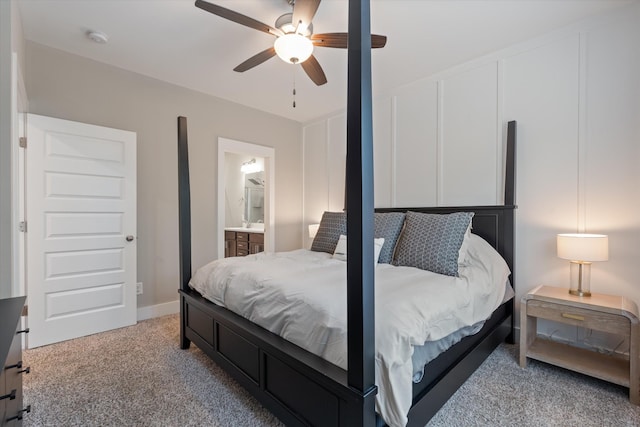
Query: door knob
{"points": [[129, 238]]}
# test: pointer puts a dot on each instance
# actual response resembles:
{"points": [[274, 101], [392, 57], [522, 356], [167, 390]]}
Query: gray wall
{"points": [[74, 88]]}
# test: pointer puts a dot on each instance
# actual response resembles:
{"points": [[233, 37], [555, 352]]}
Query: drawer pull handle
{"points": [[17, 365], [573, 316], [20, 414], [9, 396]]}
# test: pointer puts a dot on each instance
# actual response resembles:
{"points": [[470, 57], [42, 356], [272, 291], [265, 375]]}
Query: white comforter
{"points": [[301, 296]]}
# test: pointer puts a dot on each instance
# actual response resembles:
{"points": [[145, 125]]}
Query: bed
{"points": [[300, 295], [300, 387]]}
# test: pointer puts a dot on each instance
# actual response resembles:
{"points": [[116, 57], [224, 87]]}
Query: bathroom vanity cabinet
{"points": [[241, 243]]}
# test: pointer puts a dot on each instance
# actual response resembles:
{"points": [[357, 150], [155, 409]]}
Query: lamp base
{"points": [[580, 279], [579, 293]]}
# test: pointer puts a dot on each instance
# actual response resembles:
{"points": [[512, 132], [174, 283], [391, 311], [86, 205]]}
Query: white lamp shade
{"points": [[293, 48], [583, 247], [313, 230]]}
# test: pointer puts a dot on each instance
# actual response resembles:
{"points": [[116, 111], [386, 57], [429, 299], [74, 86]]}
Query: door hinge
{"points": [[23, 142], [22, 226]]}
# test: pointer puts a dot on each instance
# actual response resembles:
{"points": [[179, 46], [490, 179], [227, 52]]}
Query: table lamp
{"points": [[582, 249]]}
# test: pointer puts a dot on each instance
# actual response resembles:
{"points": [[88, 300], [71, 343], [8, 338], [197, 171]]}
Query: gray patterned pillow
{"points": [[388, 225], [433, 241], [332, 225]]}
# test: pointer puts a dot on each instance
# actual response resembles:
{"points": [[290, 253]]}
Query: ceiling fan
{"points": [[294, 37]]}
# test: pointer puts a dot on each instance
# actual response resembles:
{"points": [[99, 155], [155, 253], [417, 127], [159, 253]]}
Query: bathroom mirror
{"points": [[254, 197]]}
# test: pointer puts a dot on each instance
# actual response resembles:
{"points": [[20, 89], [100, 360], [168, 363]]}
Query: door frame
{"points": [[20, 103], [226, 145]]}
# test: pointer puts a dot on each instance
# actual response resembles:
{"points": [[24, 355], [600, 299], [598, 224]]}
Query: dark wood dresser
{"points": [[11, 407]]}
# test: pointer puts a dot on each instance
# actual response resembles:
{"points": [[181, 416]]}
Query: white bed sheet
{"points": [[301, 296]]}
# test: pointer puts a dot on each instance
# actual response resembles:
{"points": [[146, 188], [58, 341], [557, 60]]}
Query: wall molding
{"points": [[158, 310], [394, 144], [582, 132], [501, 125], [440, 87]]}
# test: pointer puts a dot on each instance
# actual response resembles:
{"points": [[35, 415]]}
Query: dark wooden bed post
{"points": [[359, 174], [510, 200], [184, 220]]}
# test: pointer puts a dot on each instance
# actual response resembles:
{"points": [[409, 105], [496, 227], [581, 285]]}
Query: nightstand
{"points": [[606, 313]]}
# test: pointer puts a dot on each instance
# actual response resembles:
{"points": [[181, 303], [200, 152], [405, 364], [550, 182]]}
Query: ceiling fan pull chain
{"points": [[294, 87]]}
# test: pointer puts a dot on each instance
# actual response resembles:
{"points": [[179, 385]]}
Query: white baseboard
{"points": [[151, 311]]}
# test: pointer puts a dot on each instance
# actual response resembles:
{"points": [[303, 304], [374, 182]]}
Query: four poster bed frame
{"points": [[297, 386]]}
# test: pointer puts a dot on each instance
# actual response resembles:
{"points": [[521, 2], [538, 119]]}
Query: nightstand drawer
{"points": [[589, 319]]}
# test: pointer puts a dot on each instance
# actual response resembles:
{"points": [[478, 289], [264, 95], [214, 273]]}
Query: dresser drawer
{"points": [[11, 407], [242, 246], [13, 372], [3, 404], [590, 319], [242, 236]]}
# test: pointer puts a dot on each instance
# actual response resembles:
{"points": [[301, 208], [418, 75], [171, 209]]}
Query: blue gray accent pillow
{"points": [[433, 241], [332, 225], [388, 225]]}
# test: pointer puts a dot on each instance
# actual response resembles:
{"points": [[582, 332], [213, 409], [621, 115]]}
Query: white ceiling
{"points": [[173, 41]]}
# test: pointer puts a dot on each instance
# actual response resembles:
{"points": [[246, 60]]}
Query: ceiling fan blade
{"points": [[339, 40], [256, 60], [237, 17], [378, 41], [304, 11], [313, 69]]}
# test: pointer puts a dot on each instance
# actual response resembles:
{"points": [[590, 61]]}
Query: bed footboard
{"points": [[303, 389], [299, 387]]}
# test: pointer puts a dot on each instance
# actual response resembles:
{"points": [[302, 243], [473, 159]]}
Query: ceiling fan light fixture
{"points": [[293, 48]]}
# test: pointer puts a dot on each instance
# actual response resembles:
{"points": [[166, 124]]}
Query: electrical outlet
{"points": [[139, 288]]}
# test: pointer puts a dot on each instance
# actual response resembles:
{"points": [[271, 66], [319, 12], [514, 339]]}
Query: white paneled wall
{"points": [[316, 176], [610, 185], [541, 92], [439, 141], [383, 155], [414, 118], [469, 138], [337, 161]]}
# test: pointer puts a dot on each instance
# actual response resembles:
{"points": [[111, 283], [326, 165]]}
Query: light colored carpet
{"points": [[138, 376]]}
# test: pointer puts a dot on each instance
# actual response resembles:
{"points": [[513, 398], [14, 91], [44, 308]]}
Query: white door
{"points": [[81, 223]]}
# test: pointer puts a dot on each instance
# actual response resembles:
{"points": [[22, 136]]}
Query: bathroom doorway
{"points": [[246, 187]]}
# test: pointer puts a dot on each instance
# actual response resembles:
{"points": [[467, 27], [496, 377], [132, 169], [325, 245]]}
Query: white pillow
{"points": [[341, 248], [464, 248]]}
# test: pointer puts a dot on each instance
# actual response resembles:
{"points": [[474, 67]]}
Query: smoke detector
{"points": [[98, 37]]}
